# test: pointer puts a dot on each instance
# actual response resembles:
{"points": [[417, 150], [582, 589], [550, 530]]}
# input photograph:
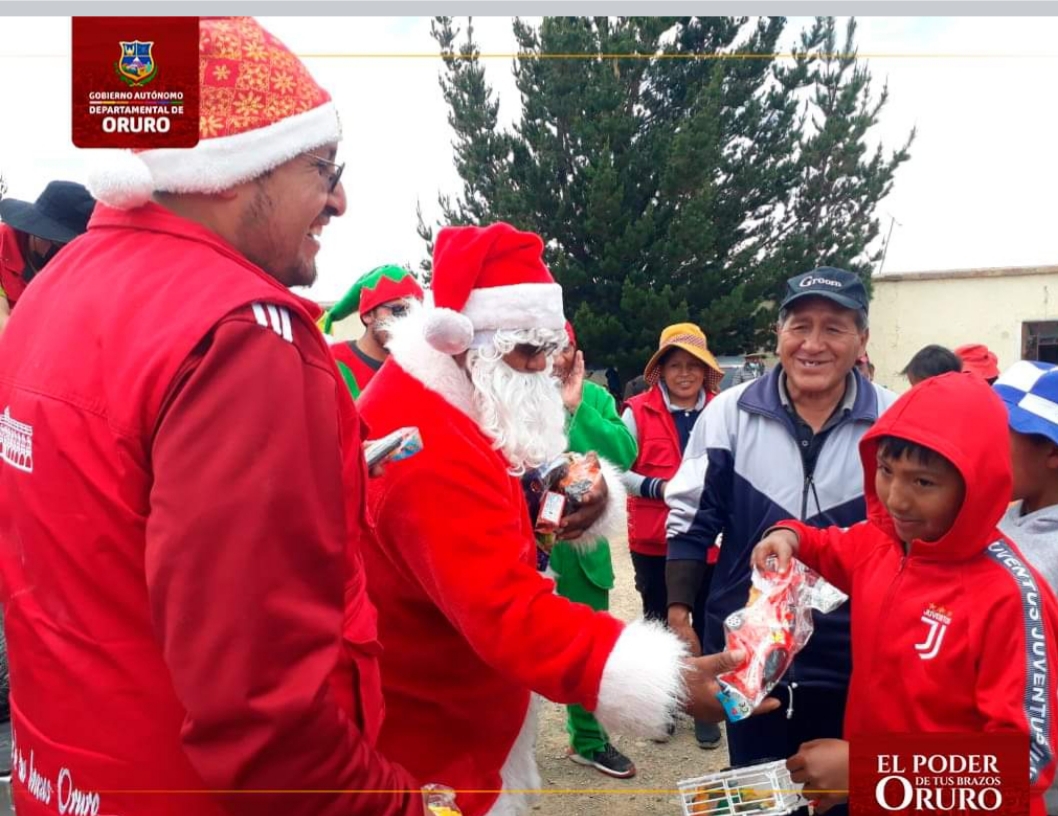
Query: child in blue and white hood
{"points": [[1030, 392]]}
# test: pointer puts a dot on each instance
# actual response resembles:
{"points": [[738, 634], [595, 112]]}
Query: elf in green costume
{"points": [[378, 296], [586, 574]]}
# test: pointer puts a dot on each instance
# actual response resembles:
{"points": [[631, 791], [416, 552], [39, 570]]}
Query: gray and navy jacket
{"points": [[743, 472]]}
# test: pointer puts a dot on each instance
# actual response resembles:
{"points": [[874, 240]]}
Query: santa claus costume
{"points": [[469, 628]]}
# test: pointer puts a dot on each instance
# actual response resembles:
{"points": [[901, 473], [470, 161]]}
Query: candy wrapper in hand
{"points": [[775, 625], [583, 473], [557, 488], [537, 483]]}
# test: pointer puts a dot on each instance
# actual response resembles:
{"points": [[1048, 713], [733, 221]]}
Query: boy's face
{"points": [[1034, 459], [923, 496]]}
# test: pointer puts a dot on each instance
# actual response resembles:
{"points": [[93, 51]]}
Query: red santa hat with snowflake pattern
{"points": [[486, 279], [260, 108]]}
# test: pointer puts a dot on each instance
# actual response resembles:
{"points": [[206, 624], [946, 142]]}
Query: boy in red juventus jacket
{"points": [[945, 607]]}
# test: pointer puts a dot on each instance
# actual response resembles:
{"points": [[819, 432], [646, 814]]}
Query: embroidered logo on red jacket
{"points": [[16, 442], [937, 618]]}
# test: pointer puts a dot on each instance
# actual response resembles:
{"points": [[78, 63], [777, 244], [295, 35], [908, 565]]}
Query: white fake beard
{"points": [[522, 413]]}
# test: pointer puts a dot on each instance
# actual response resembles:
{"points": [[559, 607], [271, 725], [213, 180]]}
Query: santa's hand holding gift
{"points": [[469, 628]]}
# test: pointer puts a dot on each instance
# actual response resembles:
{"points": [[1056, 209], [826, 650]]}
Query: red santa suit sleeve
{"points": [[463, 530], [244, 555]]}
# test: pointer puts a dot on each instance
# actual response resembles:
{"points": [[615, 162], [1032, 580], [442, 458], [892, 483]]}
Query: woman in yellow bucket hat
{"points": [[683, 375]]}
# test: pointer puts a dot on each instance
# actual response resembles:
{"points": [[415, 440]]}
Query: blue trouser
{"points": [[818, 714]]}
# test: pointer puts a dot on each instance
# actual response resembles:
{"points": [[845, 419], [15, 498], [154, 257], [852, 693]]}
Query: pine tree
{"points": [[830, 217], [676, 168]]}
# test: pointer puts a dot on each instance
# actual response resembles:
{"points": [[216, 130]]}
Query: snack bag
{"points": [[774, 626]]}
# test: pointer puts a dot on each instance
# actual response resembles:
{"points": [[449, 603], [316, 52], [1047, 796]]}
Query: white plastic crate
{"points": [[760, 790]]}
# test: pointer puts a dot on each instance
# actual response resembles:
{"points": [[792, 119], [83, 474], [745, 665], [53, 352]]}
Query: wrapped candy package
{"points": [[555, 490], [774, 626]]}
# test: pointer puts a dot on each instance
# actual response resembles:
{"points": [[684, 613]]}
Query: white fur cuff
{"points": [[642, 683], [613, 523]]}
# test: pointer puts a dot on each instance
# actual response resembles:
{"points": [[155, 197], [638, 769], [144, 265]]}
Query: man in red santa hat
{"points": [[469, 628], [186, 616]]}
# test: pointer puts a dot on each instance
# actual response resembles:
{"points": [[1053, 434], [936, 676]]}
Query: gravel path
{"points": [[573, 790]]}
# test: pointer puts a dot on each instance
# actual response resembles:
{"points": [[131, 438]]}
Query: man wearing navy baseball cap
{"points": [[1030, 392], [837, 285], [783, 443]]}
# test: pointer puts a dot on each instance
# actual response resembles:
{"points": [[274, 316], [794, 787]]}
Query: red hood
{"points": [[961, 417]]}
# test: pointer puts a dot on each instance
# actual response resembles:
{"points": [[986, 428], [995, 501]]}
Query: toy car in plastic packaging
{"points": [[771, 629]]}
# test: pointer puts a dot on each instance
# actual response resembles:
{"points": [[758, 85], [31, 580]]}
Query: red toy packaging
{"points": [[774, 626]]}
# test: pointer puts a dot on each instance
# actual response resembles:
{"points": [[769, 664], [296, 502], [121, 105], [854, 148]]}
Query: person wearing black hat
{"points": [[783, 444], [32, 233]]}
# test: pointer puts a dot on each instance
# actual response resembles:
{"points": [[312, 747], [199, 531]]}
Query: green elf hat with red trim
{"points": [[380, 285]]}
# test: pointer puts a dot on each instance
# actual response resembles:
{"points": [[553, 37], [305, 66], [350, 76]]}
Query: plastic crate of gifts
{"points": [[762, 790]]}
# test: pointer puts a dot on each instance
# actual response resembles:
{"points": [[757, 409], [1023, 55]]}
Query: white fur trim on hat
{"points": [[121, 179], [215, 164], [520, 306]]}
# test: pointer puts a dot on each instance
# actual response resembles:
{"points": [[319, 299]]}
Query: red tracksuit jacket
{"points": [[947, 637], [182, 489]]}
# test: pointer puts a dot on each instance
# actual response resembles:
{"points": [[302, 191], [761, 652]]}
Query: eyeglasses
{"points": [[395, 309], [336, 175], [529, 351]]}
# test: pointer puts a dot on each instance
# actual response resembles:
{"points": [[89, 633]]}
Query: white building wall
{"points": [[987, 306]]}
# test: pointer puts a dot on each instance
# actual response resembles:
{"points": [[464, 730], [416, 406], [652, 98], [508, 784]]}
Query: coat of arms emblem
{"points": [[136, 66]]}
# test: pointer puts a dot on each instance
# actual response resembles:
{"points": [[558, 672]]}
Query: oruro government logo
{"points": [[136, 66], [16, 442]]}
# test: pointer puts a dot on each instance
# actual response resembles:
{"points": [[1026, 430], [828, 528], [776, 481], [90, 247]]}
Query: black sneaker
{"points": [[707, 734], [609, 761]]}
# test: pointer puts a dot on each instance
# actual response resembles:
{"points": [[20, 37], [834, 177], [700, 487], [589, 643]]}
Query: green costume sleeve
{"points": [[350, 380], [596, 426]]}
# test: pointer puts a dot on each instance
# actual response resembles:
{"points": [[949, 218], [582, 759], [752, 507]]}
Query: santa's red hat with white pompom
{"points": [[259, 108], [486, 279]]}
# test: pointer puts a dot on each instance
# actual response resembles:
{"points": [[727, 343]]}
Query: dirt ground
{"points": [[576, 790]]}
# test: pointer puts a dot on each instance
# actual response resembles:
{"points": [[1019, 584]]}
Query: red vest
{"points": [[659, 458], [133, 321]]}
